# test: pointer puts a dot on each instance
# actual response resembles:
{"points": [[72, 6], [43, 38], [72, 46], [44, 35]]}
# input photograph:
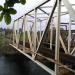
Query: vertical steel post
{"points": [[24, 23], [17, 34], [40, 29], [57, 37], [13, 34], [34, 31], [51, 34], [69, 36]]}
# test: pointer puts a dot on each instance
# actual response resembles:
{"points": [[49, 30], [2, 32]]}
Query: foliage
{"points": [[7, 10]]}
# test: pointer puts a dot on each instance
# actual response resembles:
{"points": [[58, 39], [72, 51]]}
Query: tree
{"points": [[7, 9]]}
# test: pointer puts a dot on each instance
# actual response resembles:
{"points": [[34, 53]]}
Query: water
{"points": [[19, 65]]}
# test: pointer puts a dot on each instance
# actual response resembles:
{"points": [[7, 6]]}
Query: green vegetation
{"points": [[3, 42], [7, 9], [5, 35]]}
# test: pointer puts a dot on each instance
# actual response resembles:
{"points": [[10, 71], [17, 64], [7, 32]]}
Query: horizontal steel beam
{"points": [[52, 6], [51, 72]]}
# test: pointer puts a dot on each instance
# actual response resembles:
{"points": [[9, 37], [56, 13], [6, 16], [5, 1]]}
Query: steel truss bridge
{"points": [[51, 43]]}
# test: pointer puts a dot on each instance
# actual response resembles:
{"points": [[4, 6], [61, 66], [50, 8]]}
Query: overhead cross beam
{"points": [[44, 11], [52, 6], [34, 17], [43, 2]]}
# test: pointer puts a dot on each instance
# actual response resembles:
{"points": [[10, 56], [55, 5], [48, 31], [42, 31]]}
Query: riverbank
{"points": [[5, 48]]}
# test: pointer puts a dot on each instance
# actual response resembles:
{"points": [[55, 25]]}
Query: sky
{"points": [[22, 9]]}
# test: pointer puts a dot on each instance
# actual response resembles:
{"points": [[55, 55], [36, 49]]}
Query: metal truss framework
{"points": [[35, 41]]}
